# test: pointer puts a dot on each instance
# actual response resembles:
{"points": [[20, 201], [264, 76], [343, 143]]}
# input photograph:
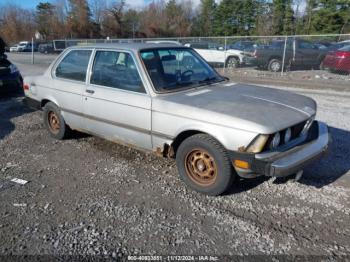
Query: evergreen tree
{"points": [[177, 22], [235, 17], [283, 17], [327, 16], [43, 17], [79, 19], [203, 24]]}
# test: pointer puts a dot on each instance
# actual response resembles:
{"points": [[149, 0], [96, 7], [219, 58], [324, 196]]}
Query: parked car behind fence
{"points": [[338, 60], [216, 55], [298, 53], [46, 48]]}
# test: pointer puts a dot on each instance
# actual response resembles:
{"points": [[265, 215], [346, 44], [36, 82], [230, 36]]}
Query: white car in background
{"points": [[216, 54], [22, 46], [14, 48], [163, 42]]}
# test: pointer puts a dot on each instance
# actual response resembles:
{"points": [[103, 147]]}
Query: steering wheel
{"points": [[187, 73]]}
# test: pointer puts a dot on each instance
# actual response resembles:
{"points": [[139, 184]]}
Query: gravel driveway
{"points": [[87, 196]]}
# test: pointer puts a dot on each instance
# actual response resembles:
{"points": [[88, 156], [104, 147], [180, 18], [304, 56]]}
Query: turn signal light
{"points": [[241, 164], [25, 86]]}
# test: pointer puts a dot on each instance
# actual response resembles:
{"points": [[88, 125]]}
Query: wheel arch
{"points": [[44, 101], [184, 134], [274, 57]]}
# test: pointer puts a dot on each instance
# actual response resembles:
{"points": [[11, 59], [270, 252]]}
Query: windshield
{"points": [[171, 69]]}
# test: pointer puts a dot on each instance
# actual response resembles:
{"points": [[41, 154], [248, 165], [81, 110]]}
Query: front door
{"points": [[116, 105]]}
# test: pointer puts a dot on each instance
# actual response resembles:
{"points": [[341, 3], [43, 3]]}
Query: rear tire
{"points": [[204, 165], [275, 65], [54, 122]]}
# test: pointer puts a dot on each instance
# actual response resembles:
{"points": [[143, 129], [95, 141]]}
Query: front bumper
{"points": [[249, 60], [284, 163]]}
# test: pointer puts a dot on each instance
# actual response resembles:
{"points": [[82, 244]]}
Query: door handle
{"points": [[90, 91]]}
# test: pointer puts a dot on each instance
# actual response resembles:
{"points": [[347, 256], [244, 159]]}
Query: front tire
{"points": [[204, 165], [54, 122], [275, 65], [232, 62]]}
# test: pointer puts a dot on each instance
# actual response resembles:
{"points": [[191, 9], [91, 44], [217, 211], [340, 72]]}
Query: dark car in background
{"points": [[46, 48], [11, 81], [338, 60], [298, 53]]}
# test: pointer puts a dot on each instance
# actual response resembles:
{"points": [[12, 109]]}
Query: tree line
{"points": [[61, 19]]}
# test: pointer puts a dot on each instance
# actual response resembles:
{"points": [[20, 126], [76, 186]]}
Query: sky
{"points": [[33, 3], [132, 3]]}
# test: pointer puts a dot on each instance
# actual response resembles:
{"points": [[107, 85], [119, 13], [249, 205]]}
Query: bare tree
{"points": [[16, 23], [98, 7]]}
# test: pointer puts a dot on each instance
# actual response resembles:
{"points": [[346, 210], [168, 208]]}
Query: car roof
{"points": [[129, 46]]}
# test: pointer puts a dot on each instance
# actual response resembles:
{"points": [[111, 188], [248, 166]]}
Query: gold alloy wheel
{"points": [[54, 122], [201, 167]]}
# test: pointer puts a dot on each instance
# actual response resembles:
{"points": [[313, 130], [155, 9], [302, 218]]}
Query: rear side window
{"points": [[116, 70], [74, 65]]}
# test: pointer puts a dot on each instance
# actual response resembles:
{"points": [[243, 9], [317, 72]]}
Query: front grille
{"points": [[296, 132], [296, 129]]}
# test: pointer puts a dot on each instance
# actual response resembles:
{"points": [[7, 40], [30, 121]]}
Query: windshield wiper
{"points": [[209, 80]]}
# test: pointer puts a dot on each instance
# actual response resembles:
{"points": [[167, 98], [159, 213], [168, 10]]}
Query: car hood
{"points": [[248, 107]]}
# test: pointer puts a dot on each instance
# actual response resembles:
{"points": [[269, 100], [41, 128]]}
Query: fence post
{"points": [[32, 51], [225, 52], [284, 54]]}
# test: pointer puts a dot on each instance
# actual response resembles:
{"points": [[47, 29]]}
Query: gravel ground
{"points": [[87, 196]]}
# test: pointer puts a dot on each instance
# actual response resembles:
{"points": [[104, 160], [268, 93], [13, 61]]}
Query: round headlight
{"points": [[287, 135], [275, 141]]}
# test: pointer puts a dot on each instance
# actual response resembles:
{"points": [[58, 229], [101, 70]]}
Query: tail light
{"points": [[26, 86], [342, 54]]}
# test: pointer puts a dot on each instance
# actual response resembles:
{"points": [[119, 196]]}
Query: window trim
{"points": [[53, 71], [91, 65]]}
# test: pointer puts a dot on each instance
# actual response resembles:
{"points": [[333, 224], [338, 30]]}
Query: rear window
{"points": [[74, 65]]}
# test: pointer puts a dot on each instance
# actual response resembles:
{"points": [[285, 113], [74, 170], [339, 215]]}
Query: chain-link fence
{"points": [[285, 60]]}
